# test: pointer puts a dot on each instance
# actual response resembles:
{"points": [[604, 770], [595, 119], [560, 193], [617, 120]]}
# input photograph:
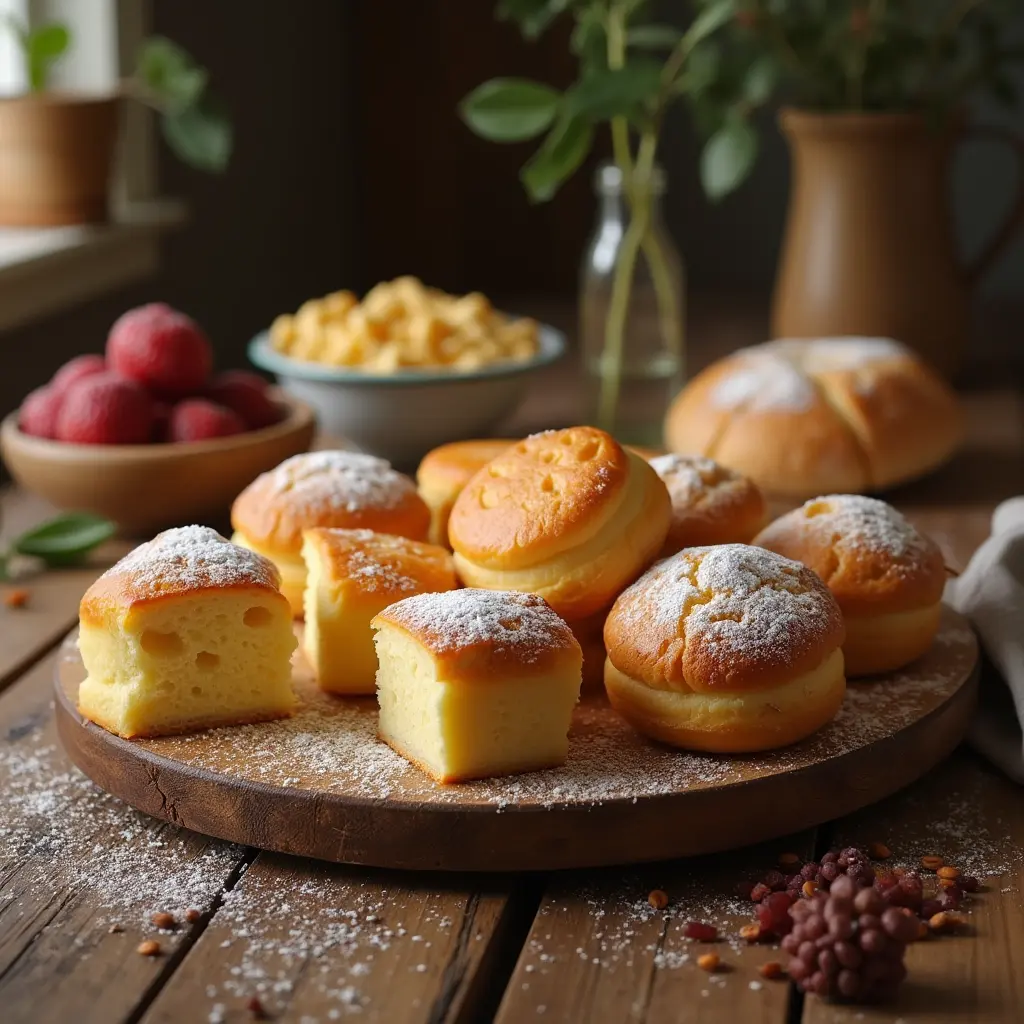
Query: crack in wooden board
{"points": [[318, 942]]}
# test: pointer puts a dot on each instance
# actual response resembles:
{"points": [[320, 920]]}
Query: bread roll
{"points": [[186, 632], [445, 471], [476, 683], [887, 577], [567, 514], [727, 649], [710, 504], [807, 417], [353, 575], [345, 490]]}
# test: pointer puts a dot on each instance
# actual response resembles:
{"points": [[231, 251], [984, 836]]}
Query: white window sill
{"points": [[45, 270]]}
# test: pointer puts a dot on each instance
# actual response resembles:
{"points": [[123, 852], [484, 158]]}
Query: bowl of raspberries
{"points": [[147, 434]]}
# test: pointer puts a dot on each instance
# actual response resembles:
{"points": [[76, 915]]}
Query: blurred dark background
{"points": [[351, 166]]}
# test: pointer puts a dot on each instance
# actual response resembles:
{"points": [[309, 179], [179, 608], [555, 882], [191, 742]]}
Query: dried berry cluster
{"points": [[849, 943]]}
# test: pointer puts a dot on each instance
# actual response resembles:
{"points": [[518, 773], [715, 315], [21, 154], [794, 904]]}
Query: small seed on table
{"points": [[658, 899], [148, 948], [16, 598], [947, 872], [771, 969], [932, 863], [192, 915], [788, 860], [879, 851], [708, 962], [750, 932], [163, 920], [943, 922]]}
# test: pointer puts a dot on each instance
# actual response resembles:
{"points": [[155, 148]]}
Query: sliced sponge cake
{"points": [[186, 632], [476, 683], [353, 575]]}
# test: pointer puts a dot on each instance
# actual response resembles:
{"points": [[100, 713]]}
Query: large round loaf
{"points": [[819, 416]]}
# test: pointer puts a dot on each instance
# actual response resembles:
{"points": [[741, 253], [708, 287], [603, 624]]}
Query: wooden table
{"points": [[81, 876]]}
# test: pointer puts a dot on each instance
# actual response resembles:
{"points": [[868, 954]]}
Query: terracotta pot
{"points": [[56, 156], [869, 245]]}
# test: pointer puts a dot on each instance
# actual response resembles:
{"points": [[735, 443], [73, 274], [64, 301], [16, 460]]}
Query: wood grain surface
{"points": [[265, 785]]}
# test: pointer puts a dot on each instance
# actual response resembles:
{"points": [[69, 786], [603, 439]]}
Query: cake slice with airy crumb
{"points": [[351, 576], [188, 631], [476, 683]]}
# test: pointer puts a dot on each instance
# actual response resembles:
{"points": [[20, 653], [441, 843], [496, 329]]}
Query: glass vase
{"points": [[631, 310]]}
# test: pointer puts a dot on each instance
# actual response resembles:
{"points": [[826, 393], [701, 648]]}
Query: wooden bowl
{"points": [[146, 487]]}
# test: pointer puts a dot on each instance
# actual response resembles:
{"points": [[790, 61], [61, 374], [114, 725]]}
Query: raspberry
{"points": [[160, 348], [105, 409], [39, 411], [246, 394], [199, 420], [77, 369]]}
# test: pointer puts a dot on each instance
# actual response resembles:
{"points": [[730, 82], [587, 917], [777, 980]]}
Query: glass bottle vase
{"points": [[631, 311]]}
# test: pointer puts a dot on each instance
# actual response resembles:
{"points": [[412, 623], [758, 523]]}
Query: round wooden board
{"points": [[321, 785]]}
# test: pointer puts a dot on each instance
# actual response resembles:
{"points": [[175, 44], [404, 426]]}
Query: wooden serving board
{"points": [[321, 785]]}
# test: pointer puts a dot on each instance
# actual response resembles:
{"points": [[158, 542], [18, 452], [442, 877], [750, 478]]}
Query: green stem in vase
{"points": [[669, 312]]}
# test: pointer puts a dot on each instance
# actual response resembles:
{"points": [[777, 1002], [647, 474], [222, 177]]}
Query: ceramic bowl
{"points": [[401, 416], [146, 487]]}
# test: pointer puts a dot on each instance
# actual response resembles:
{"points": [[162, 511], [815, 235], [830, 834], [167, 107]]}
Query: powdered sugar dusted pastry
{"points": [[803, 417], [887, 576], [353, 575], [476, 683], [567, 514], [729, 648], [341, 489], [710, 503], [186, 632]]}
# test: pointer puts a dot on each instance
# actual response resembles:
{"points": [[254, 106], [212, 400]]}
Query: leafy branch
{"points": [[63, 540]]}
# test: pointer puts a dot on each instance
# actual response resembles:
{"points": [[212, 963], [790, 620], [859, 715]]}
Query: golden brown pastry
{"points": [[727, 649], [446, 470], [186, 632], [806, 417], [341, 489], [710, 504], [887, 577], [476, 683], [567, 514], [353, 575]]}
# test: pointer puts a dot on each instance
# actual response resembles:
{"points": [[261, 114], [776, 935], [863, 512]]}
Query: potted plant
{"points": [[58, 147], [875, 98], [631, 70]]}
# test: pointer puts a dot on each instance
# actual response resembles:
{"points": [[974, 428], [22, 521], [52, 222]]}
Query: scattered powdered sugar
{"points": [[188, 557], [778, 375], [377, 561], [852, 522], [687, 476], [345, 480], [331, 745], [734, 597], [505, 620]]}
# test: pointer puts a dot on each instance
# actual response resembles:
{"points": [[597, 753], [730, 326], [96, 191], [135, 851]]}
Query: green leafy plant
{"points": [[631, 70], [167, 79], [927, 56], [63, 540]]}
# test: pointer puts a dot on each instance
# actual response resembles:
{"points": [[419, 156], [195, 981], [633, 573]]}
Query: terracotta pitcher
{"points": [[869, 247]]}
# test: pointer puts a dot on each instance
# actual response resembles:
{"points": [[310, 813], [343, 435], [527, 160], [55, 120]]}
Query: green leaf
{"points": [[711, 18], [760, 81], [727, 158], [614, 92], [702, 67], [653, 37], [43, 47], [510, 109], [560, 154], [533, 15], [589, 41], [66, 538], [200, 136], [171, 76]]}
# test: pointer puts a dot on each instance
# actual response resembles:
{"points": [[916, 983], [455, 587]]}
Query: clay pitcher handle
{"points": [[1013, 220]]}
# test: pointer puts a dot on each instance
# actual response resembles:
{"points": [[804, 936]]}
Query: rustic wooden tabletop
{"points": [[82, 875]]}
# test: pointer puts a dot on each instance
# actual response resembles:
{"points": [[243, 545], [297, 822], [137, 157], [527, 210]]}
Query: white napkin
{"points": [[990, 592]]}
